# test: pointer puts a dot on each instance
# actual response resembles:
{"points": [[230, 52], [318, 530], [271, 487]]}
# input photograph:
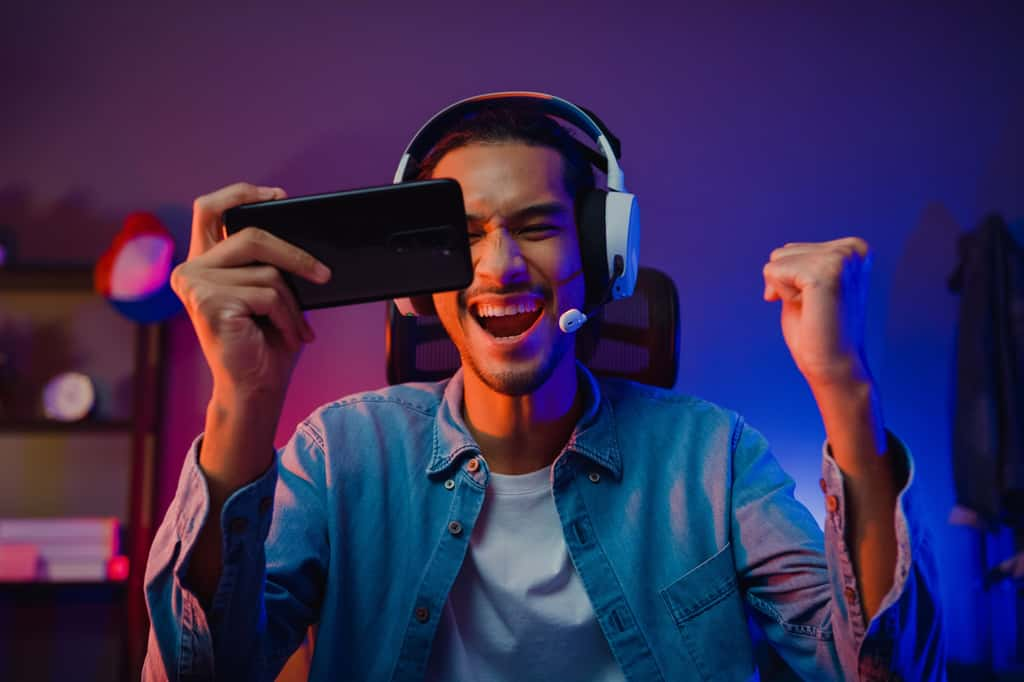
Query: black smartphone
{"points": [[379, 242]]}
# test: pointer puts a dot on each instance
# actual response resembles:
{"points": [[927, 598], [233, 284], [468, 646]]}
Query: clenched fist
{"points": [[823, 288]]}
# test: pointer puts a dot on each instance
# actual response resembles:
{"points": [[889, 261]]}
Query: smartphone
{"points": [[379, 242]]}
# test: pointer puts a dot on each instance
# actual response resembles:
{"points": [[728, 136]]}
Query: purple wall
{"points": [[742, 130]]}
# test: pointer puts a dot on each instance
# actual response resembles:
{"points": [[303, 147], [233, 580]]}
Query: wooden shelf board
{"points": [[61, 583], [47, 426], [46, 278]]}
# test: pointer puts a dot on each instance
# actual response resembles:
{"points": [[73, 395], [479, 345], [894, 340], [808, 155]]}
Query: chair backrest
{"points": [[637, 338]]}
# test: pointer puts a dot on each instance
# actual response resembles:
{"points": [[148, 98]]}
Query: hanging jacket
{"points": [[988, 427]]}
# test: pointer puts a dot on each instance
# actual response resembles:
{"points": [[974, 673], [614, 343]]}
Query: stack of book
{"points": [[60, 550]]}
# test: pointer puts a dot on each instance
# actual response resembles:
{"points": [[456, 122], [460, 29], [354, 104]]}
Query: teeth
{"points": [[489, 310]]}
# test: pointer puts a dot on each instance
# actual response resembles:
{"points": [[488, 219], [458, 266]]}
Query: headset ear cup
{"points": [[593, 244], [416, 305], [622, 232]]}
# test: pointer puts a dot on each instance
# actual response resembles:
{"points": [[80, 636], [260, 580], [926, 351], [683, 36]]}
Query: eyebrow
{"points": [[545, 210]]}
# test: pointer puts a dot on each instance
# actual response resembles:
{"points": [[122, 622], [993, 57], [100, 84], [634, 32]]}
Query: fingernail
{"points": [[322, 273], [266, 192]]}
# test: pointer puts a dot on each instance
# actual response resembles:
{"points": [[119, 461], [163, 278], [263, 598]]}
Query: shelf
{"points": [[50, 584], [46, 278], [47, 426], [46, 594], [105, 465]]}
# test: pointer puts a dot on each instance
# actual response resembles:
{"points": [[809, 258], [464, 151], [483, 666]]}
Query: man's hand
{"points": [[247, 320], [823, 289]]}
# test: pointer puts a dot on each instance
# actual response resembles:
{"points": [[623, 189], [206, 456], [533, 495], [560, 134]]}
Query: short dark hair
{"points": [[522, 123]]}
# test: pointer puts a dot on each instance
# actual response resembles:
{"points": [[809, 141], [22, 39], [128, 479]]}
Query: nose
{"points": [[499, 261]]}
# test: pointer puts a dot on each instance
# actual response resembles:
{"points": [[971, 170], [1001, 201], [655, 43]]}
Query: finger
{"points": [[267, 302], [859, 246], [208, 209], [846, 245], [253, 245], [793, 250], [265, 276], [779, 290], [788, 276]]}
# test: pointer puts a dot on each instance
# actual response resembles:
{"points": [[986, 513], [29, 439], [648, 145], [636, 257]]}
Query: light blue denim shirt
{"points": [[677, 517]]}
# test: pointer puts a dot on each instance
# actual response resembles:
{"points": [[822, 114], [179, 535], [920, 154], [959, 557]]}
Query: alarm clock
{"points": [[68, 397]]}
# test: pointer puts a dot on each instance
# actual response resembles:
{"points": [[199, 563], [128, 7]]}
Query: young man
{"points": [[523, 520]]}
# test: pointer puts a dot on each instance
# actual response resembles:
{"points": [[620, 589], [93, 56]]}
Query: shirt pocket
{"points": [[707, 609]]}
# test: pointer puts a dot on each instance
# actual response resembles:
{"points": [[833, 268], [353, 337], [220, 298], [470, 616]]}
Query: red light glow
{"points": [[117, 568]]}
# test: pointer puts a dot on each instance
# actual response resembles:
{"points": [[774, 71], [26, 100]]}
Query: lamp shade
{"points": [[134, 273]]}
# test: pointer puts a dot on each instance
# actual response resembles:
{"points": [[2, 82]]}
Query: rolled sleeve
{"points": [[245, 521], [904, 634], [183, 633]]}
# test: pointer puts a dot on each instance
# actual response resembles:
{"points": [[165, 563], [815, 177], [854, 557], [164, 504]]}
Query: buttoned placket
{"points": [[466, 488], [628, 644]]}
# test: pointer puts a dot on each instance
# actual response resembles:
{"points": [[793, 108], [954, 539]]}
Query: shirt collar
{"points": [[593, 438]]}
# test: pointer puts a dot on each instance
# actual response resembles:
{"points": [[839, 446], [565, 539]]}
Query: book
{"points": [[98, 529], [69, 549], [19, 562], [72, 571], [85, 570], [74, 551]]}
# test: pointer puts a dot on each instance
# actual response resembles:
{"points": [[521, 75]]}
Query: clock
{"points": [[68, 397]]}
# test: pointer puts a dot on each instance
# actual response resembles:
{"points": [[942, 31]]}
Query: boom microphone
{"points": [[574, 318]]}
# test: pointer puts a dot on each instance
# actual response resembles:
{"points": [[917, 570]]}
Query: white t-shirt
{"points": [[518, 610]]}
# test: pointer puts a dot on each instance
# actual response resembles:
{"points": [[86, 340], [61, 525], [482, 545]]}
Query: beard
{"points": [[517, 381], [509, 378]]}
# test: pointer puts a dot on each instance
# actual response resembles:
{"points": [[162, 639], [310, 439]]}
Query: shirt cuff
{"points": [[245, 517], [832, 485]]}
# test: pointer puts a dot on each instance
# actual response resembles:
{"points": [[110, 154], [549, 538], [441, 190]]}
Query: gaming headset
{"points": [[608, 220]]}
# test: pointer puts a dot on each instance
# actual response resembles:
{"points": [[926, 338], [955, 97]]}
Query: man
{"points": [[524, 520]]}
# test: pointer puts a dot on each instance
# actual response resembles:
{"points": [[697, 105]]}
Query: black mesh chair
{"points": [[636, 338]]}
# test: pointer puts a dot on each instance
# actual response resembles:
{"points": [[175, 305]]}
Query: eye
{"points": [[536, 232]]}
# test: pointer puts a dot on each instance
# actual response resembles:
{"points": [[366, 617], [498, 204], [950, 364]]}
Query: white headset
{"points": [[609, 220]]}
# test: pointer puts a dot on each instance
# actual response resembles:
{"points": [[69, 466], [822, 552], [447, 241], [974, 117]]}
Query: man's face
{"points": [[526, 260]]}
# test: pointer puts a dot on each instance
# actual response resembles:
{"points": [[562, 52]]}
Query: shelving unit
{"points": [[51, 321]]}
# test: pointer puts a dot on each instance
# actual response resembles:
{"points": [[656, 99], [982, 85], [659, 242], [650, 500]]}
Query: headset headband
{"points": [[434, 129]]}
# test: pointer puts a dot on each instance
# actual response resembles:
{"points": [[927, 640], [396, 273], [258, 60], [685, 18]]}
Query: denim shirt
{"points": [[677, 517]]}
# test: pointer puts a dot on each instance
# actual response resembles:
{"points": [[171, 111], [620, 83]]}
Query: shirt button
{"points": [[850, 594], [238, 525], [831, 504], [821, 484], [449, 484], [594, 477], [455, 528], [422, 614], [265, 504], [473, 465]]}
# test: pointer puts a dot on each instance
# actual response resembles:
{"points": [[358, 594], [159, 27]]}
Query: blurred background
{"points": [[743, 127]]}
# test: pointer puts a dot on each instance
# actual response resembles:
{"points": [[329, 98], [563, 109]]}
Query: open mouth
{"points": [[504, 321]]}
